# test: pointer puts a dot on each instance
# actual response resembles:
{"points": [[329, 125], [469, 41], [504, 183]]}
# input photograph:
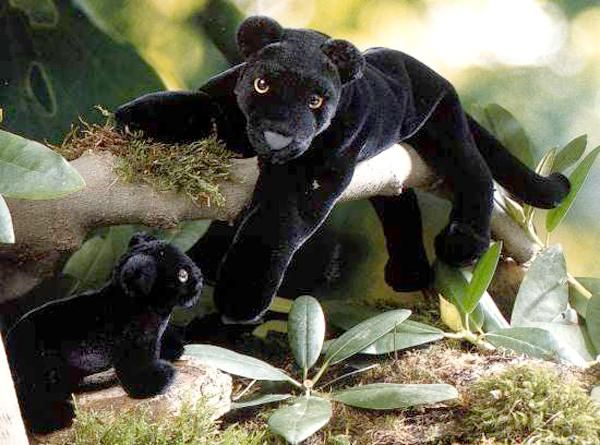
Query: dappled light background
{"points": [[540, 59]]}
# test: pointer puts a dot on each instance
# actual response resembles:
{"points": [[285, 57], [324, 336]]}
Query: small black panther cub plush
{"points": [[52, 348]]}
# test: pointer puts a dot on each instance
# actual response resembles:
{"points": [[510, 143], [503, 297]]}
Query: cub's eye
{"points": [[315, 101], [261, 85], [183, 275]]}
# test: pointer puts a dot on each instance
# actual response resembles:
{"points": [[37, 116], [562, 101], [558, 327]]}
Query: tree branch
{"points": [[45, 230]]}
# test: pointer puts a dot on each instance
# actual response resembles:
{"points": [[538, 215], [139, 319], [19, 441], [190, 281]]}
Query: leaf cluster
{"points": [[305, 414]]}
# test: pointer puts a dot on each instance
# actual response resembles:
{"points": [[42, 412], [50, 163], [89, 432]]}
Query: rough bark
{"points": [[45, 230]]}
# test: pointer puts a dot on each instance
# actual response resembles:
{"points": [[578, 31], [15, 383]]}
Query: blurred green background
{"points": [[540, 59]]}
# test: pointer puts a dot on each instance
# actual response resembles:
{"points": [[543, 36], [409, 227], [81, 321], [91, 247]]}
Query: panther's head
{"points": [[290, 86], [158, 274]]}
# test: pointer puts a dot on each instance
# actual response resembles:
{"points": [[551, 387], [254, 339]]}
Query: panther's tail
{"points": [[516, 177]]}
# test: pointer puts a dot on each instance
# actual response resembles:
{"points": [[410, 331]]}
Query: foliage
{"points": [[543, 323], [534, 406], [29, 170], [305, 414], [192, 426], [59, 66]]}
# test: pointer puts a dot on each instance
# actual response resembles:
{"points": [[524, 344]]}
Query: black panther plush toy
{"points": [[311, 107], [52, 348]]}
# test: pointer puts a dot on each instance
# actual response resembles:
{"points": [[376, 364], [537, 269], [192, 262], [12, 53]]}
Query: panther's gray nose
{"points": [[277, 141]]}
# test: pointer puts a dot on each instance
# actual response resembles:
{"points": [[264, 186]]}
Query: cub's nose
{"points": [[277, 141]]}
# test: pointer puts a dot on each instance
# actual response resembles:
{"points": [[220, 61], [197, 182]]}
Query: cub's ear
{"points": [[137, 275], [256, 32], [140, 238], [346, 57]]}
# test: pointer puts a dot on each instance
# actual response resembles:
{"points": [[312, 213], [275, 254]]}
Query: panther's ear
{"points": [[346, 57], [140, 238], [256, 32], [137, 275]]}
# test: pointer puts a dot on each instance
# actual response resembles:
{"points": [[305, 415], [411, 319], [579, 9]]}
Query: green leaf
{"points": [[237, 364], [452, 284], [578, 300], [533, 342], [592, 316], [93, 263], [185, 235], [543, 295], [382, 396], [346, 314], [41, 13], [30, 170], [260, 400], [306, 331], [510, 133], [7, 234], [574, 336], [570, 154], [59, 66], [406, 335], [482, 277], [304, 417], [364, 334], [577, 179]]}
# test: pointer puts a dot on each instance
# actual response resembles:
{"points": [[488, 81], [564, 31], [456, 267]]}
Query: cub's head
{"points": [[290, 86], [158, 273]]}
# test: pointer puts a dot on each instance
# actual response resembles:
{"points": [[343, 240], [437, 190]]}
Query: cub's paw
{"points": [[150, 381], [172, 343], [459, 245], [48, 417], [407, 275]]}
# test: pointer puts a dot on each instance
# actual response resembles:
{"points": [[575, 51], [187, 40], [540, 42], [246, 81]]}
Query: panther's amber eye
{"points": [[261, 85], [315, 102], [182, 275]]}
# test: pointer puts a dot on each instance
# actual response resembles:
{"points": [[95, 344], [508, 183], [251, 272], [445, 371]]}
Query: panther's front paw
{"points": [[459, 245], [408, 276], [149, 382]]}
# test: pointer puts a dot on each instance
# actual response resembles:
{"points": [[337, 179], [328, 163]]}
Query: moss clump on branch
{"points": [[534, 406], [195, 168]]}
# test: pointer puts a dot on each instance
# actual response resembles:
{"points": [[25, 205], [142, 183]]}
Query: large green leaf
{"points": [[56, 66], [406, 335], [534, 342], [383, 396], [543, 295], [575, 336], [185, 235], [306, 331], [347, 314], [364, 334], [7, 234], [570, 154], [482, 277], [577, 179], [237, 364], [93, 263], [592, 316], [510, 132], [30, 170], [260, 400], [304, 417]]}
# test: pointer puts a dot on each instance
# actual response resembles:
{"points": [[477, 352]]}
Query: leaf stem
{"points": [[337, 379]]}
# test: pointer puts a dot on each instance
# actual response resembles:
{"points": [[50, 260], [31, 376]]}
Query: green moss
{"points": [[194, 169], [190, 427], [533, 406]]}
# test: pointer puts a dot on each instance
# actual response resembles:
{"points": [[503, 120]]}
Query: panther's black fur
{"points": [[311, 107]]}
